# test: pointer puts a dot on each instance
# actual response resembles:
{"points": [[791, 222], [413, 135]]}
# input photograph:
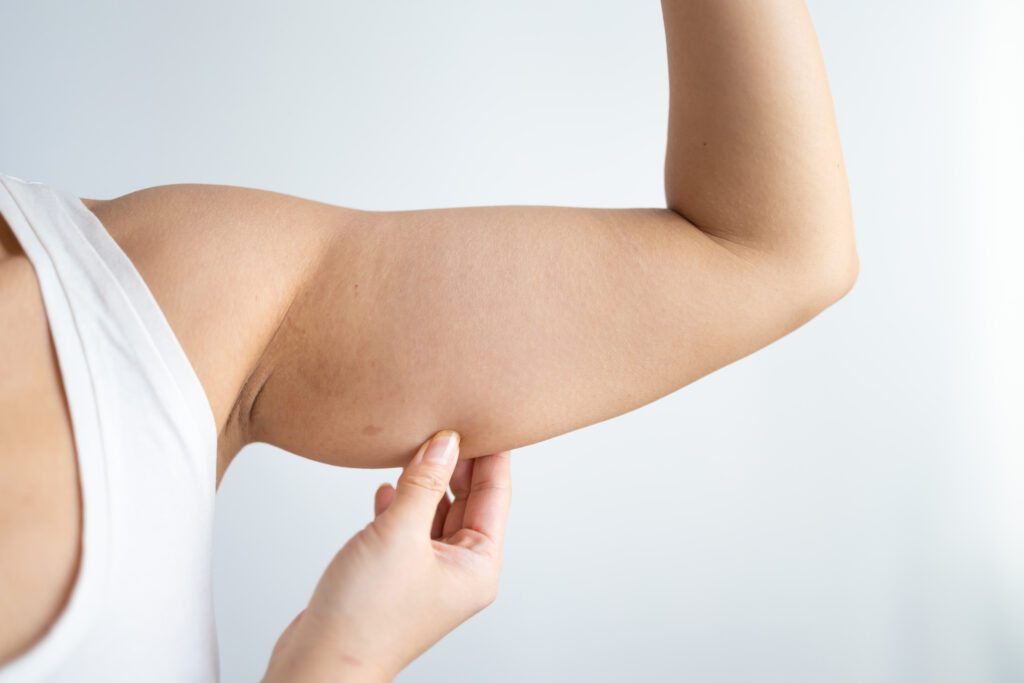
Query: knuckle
{"points": [[489, 485], [427, 479], [375, 533]]}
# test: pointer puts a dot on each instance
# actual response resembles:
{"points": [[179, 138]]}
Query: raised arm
{"points": [[515, 324], [753, 153]]}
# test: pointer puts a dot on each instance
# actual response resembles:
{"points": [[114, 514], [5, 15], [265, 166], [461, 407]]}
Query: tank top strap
{"points": [[129, 387]]}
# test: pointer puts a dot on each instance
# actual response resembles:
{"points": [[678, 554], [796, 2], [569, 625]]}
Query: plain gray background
{"points": [[843, 506]]}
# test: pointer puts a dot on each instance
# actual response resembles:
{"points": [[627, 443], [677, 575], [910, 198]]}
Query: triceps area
{"points": [[510, 325]]}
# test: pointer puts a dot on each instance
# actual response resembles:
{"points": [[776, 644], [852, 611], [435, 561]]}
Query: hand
{"points": [[422, 567]]}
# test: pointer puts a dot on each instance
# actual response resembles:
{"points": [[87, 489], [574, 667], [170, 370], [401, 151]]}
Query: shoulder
{"points": [[224, 263]]}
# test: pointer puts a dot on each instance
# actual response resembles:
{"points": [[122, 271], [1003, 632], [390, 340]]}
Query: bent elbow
{"points": [[840, 275], [824, 276]]}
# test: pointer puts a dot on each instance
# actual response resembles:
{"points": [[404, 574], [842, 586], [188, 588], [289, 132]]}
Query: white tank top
{"points": [[145, 439]]}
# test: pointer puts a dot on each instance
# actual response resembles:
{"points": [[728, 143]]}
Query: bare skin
{"points": [[350, 336], [421, 568], [39, 495]]}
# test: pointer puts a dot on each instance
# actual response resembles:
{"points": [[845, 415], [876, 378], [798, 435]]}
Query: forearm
{"points": [[753, 152]]}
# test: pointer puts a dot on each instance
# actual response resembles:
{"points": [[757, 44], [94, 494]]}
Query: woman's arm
{"points": [[753, 152], [514, 324], [523, 323], [424, 565]]}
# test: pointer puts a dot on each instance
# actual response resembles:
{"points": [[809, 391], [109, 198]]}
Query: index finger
{"points": [[490, 494]]}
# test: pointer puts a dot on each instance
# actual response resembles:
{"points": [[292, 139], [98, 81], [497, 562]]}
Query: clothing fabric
{"points": [[145, 438]]}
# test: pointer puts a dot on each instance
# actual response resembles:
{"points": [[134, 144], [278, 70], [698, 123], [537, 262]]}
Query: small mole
{"points": [[704, 144], [355, 288], [370, 430]]}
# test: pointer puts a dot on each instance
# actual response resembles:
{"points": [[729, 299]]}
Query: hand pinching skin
{"points": [[424, 565]]}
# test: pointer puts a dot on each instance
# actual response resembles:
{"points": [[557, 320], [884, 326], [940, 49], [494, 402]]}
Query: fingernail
{"points": [[442, 447]]}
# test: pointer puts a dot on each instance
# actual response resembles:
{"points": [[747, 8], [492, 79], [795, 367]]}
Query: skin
{"points": [[422, 567], [349, 336], [39, 496]]}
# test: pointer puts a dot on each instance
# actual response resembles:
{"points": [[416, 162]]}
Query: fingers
{"points": [[440, 516], [490, 494], [382, 499], [461, 480], [386, 494], [424, 482]]}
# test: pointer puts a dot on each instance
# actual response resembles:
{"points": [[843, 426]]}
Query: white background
{"points": [[843, 506]]}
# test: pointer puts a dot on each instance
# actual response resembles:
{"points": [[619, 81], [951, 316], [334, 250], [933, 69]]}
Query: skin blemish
{"points": [[371, 430]]}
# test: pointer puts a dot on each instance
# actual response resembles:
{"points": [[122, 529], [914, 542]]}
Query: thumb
{"points": [[424, 482]]}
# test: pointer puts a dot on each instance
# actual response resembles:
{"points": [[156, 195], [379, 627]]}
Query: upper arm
{"points": [[511, 325], [349, 336]]}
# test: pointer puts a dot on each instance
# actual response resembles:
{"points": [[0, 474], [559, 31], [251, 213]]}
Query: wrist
{"points": [[307, 658], [311, 667], [314, 669]]}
